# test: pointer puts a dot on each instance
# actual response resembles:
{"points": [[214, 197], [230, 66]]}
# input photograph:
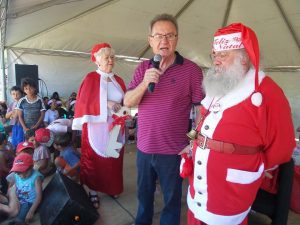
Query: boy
{"points": [[28, 186], [41, 156], [31, 109], [17, 129], [25, 147], [68, 161]]}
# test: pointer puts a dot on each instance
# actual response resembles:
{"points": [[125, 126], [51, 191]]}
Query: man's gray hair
{"points": [[163, 17]]}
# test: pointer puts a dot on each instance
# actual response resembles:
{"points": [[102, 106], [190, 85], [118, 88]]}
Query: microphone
{"points": [[155, 64]]}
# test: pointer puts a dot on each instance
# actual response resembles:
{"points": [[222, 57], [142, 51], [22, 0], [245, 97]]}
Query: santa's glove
{"points": [[186, 166]]}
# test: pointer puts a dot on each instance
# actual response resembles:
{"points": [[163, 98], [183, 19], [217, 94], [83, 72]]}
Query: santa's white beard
{"points": [[219, 81]]}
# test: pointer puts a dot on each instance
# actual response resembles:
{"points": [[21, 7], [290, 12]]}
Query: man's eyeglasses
{"points": [[220, 55], [160, 37]]}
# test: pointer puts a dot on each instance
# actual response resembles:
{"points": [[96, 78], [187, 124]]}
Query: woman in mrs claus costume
{"points": [[99, 96]]}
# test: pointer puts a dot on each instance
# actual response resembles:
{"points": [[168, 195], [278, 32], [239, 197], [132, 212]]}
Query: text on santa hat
{"points": [[227, 42]]}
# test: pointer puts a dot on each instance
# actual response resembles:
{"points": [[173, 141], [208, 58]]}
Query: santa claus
{"points": [[99, 97], [245, 128]]}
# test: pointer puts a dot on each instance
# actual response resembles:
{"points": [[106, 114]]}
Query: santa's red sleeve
{"points": [[276, 127]]}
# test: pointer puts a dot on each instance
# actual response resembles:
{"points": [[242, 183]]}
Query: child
{"points": [[8, 132], [31, 109], [51, 114], [28, 186], [25, 147], [9, 207], [45, 101], [6, 161], [41, 156], [68, 161], [17, 129], [29, 136], [70, 104], [3, 110]]}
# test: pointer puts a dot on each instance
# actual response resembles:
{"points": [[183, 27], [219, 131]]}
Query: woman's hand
{"points": [[114, 106]]}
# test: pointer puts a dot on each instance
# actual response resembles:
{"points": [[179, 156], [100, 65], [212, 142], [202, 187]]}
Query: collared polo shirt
{"points": [[163, 116]]}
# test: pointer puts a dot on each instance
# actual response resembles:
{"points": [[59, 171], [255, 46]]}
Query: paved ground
{"points": [[122, 211]]}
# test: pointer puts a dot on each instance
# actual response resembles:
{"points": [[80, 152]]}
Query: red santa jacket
{"points": [[223, 186]]}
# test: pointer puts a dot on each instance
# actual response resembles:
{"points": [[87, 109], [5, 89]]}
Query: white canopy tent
{"points": [[58, 35]]}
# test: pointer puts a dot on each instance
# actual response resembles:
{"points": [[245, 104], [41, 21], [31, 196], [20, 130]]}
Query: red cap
{"points": [[248, 39], [44, 136], [22, 162], [23, 145], [96, 48]]}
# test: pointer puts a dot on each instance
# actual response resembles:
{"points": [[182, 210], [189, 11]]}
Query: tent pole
{"points": [[3, 76], [4, 4]]}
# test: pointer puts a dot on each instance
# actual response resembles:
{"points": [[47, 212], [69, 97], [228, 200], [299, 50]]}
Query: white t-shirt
{"points": [[50, 116]]}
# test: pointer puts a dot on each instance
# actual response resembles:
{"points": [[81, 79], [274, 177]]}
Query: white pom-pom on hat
{"points": [[256, 99]]}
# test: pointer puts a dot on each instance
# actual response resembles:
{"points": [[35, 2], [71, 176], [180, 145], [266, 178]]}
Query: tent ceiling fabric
{"points": [[76, 25]]}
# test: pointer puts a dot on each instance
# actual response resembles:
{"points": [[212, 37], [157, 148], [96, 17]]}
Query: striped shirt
{"points": [[163, 116], [31, 110]]}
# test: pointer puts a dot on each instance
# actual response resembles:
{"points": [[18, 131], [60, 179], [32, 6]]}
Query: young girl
{"points": [[31, 109], [17, 129], [68, 161], [28, 186], [41, 156]]}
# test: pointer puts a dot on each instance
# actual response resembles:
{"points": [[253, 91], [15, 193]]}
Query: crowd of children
{"points": [[37, 141], [33, 148]]}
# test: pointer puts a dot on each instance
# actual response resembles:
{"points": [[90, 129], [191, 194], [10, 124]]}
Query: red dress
{"points": [[99, 173]]}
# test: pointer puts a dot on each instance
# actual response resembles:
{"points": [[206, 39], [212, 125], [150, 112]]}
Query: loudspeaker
{"points": [[63, 201], [23, 71]]}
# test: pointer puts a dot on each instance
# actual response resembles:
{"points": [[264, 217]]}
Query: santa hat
{"points": [[97, 48], [238, 36]]}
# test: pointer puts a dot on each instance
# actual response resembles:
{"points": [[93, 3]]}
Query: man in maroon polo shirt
{"points": [[163, 119]]}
